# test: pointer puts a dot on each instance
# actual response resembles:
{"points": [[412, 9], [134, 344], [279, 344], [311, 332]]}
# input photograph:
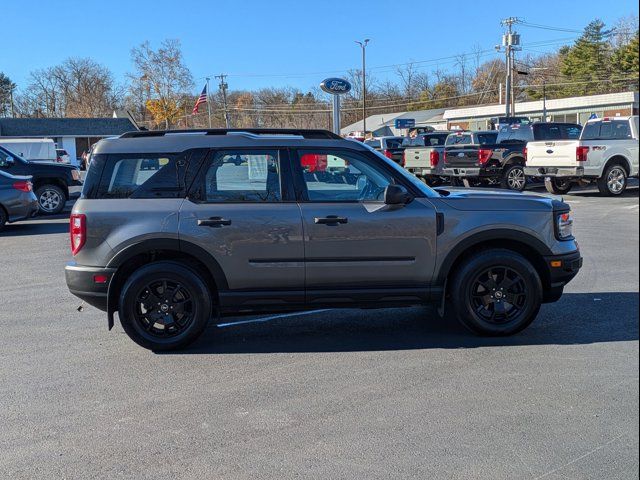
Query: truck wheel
{"points": [[432, 181], [613, 181], [51, 199], [457, 182], [496, 292], [558, 186], [164, 306], [513, 178]]}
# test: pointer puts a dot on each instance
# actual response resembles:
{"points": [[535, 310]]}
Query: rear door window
{"points": [[137, 176]]}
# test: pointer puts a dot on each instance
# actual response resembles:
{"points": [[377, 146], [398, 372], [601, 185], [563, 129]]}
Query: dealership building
{"points": [[572, 109], [75, 135]]}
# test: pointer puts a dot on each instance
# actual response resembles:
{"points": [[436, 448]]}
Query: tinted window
{"points": [[487, 138], [393, 142], [621, 129], [591, 131], [458, 139], [243, 176], [342, 177], [435, 140], [373, 143], [612, 130], [131, 175]]}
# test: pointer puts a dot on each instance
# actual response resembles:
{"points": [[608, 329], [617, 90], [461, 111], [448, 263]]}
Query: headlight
{"points": [[564, 225], [75, 174]]}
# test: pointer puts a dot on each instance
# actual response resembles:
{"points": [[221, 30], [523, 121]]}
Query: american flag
{"points": [[201, 99]]}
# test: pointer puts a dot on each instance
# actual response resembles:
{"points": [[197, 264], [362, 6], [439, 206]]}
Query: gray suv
{"points": [[176, 228]]}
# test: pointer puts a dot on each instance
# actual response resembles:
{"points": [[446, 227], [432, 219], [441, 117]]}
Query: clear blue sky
{"points": [[279, 42]]}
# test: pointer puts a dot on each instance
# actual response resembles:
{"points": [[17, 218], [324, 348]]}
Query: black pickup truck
{"points": [[499, 157], [53, 183]]}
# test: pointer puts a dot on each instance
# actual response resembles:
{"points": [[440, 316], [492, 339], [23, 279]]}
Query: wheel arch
{"points": [[58, 182], [525, 244], [141, 253], [515, 160], [619, 159]]}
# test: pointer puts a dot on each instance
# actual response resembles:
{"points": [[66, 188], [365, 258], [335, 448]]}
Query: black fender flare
{"points": [[171, 244], [478, 238]]}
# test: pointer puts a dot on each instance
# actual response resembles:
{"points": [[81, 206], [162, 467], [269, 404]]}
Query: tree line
{"points": [[159, 89]]}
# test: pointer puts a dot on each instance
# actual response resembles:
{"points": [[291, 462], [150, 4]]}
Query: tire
{"points": [[514, 178], [613, 181], [51, 199], [3, 218], [456, 182], [179, 319], [432, 181], [558, 186], [486, 311]]}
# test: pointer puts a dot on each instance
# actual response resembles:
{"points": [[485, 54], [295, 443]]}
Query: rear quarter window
{"points": [[607, 130]]}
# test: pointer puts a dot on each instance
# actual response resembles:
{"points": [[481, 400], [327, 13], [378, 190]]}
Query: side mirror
{"points": [[396, 195]]}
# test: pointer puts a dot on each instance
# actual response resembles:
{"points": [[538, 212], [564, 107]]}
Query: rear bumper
{"points": [[562, 269], [27, 207], [81, 281], [564, 172], [469, 172], [423, 171]]}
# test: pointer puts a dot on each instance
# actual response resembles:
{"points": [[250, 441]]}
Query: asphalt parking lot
{"points": [[335, 394]]}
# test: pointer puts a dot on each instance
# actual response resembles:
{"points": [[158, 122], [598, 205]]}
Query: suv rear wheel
{"points": [[514, 178], [51, 199], [558, 186], [164, 306], [614, 180], [496, 292]]}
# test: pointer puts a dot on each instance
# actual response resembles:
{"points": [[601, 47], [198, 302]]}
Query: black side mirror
{"points": [[6, 162], [396, 195]]}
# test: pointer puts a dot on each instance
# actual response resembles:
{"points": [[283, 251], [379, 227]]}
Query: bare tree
{"points": [[163, 76]]}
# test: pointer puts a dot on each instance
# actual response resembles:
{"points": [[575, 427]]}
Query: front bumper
{"points": [[564, 172], [81, 281], [561, 270]]}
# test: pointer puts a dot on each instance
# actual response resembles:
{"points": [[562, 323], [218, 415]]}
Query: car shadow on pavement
{"points": [[46, 225], [578, 318], [630, 192]]}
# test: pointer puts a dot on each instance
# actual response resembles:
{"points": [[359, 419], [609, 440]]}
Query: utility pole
{"points": [[208, 102], [510, 43], [223, 88], [363, 46]]}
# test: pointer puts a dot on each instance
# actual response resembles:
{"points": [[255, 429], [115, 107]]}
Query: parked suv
{"points": [[175, 228], [606, 153], [53, 183]]}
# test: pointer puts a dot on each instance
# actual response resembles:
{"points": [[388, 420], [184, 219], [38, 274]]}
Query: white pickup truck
{"points": [[606, 153]]}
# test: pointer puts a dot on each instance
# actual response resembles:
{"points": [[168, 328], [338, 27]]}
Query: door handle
{"points": [[214, 222], [330, 220]]}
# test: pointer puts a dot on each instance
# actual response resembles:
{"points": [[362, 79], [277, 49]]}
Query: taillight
{"points": [[23, 185], [434, 158], [404, 159], [388, 154], [581, 153], [524, 153], [484, 154], [77, 231]]}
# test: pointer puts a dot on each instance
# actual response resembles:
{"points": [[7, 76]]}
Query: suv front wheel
{"points": [[164, 306], [496, 292], [51, 199]]}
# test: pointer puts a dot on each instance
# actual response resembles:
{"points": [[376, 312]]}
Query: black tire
{"points": [[456, 182], [613, 181], [432, 181], [484, 284], [51, 199], [187, 310], [3, 218], [514, 178], [558, 186]]}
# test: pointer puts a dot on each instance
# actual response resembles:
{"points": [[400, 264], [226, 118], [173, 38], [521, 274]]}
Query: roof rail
{"points": [[316, 134]]}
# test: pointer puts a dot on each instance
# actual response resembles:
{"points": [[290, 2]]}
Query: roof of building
{"points": [[376, 122], [536, 106], [65, 127]]}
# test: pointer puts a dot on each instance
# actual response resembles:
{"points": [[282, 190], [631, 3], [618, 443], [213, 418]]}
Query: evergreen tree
{"points": [[589, 61]]}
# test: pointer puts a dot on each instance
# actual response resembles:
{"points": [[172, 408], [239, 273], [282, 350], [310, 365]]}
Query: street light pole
{"points": [[363, 46]]}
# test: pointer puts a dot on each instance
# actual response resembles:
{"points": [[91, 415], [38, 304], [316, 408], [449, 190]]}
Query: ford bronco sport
{"points": [[176, 228]]}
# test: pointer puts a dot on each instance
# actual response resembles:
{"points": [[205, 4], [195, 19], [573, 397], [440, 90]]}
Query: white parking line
{"points": [[272, 317]]}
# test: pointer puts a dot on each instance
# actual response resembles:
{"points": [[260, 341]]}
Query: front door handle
{"points": [[330, 220], [214, 222]]}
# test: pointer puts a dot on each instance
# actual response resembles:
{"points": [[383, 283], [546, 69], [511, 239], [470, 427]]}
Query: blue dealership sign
{"points": [[335, 86], [405, 122]]}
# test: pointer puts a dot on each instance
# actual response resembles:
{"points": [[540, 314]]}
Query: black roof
{"points": [[61, 127]]}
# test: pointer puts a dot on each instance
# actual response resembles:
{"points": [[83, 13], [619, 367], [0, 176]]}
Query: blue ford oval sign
{"points": [[335, 86]]}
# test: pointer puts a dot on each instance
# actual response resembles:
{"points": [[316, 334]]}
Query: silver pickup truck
{"points": [[423, 156]]}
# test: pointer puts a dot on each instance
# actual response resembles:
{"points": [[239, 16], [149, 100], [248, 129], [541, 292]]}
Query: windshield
{"points": [[420, 185]]}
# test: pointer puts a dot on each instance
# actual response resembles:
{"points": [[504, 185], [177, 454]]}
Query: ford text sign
{"points": [[335, 86]]}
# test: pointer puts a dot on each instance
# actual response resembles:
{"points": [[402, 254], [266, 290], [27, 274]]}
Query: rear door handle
{"points": [[214, 222], [330, 220]]}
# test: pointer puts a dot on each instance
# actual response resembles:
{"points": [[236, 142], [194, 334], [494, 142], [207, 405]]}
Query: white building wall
{"points": [[69, 144]]}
